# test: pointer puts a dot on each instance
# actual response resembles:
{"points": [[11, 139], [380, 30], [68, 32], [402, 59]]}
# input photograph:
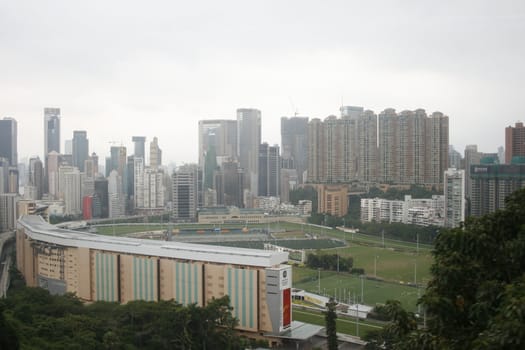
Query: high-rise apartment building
{"points": [[332, 156], [8, 141], [185, 192], [367, 151], [413, 147], [248, 141], [269, 170], [492, 183], [139, 149], [294, 143], [80, 149], [514, 142], [138, 181], [51, 130], [455, 202], [155, 154]]}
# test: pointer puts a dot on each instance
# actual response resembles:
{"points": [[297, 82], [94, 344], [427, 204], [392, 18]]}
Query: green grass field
{"points": [[346, 286], [344, 325]]}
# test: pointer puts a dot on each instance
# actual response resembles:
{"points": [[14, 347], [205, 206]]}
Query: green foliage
{"points": [[331, 326], [476, 297], [397, 194], [39, 320], [306, 192], [329, 262]]}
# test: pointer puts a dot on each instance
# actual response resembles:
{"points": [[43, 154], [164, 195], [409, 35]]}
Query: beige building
{"points": [[332, 199], [413, 147], [119, 269]]}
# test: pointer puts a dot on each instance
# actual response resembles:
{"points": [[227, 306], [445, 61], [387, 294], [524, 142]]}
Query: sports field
{"points": [[344, 325]]}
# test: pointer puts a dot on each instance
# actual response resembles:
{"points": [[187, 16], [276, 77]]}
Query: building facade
{"points": [[51, 130], [80, 149], [455, 202], [332, 199], [413, 147], [9, 141], [185, 193], [121, 270], [269, 171], [492, 183], [514, 142], [219, 134], [294, 143], [248, 141], [414, 211]]}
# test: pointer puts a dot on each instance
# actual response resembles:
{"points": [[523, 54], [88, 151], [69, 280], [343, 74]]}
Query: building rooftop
{"points": [[39, 229]]}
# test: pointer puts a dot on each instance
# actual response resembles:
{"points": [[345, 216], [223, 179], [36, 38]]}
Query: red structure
{"points": [[514, 142], [87, 207]]}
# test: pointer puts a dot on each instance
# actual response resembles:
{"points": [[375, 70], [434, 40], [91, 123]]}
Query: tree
{"points": [[331, 326], [476, 296]]}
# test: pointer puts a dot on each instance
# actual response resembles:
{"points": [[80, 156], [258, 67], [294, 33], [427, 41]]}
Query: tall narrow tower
{"points": [[51, 130], [8, 140], [80, 149], [248, 141]]}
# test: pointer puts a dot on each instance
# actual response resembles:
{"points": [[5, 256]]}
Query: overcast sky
{"points": [[154, 68]]}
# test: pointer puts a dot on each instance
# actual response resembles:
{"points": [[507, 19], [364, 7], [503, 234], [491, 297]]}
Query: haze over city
{"points": [[128, 68]]}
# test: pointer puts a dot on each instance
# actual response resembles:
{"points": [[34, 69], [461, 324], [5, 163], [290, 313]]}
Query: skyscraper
{"points": [[368, 157], [36, 176], [155, 154], [116, 198], [185, 192], [455, 203], [332, 155], [514, 142], [139, 149], [70, 189], [229, 184], [80, 149], [492, 183], [51, 130], [8, 141], [472, 156], [219, 133], [294, 143], [248, 141], [413, 148], [269, 170]]}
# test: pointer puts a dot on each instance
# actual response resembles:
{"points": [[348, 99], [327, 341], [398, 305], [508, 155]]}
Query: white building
{"points": [[70, 189], [424, 212], [116, 196], [454, 197], [148, 186]]}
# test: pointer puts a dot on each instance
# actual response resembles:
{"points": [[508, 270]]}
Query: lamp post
{"points": [[375, 265]]}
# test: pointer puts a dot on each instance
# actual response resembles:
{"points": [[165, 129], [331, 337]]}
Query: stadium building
{"points": [[119, 269]]}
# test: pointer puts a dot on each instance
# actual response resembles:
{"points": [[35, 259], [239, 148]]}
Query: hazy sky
{"points": [[154, 68]]}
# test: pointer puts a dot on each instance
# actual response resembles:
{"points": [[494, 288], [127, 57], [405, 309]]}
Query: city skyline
{"points": [[173, 65]]}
